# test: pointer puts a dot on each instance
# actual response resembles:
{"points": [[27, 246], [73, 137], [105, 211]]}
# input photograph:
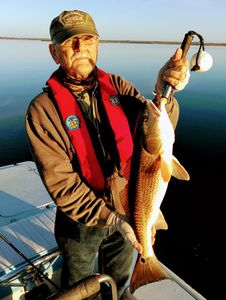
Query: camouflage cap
{"points": [[71, 23]]}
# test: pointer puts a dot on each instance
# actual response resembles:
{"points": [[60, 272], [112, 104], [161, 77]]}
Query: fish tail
{"points": [[146, 270]]}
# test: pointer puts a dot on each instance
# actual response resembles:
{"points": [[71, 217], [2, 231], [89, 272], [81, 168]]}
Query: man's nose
{"points": [[78, 43]]}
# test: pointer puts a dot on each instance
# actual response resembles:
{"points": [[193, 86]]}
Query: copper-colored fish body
{"points": [[147, 268], [145, 210], [153, 173]]}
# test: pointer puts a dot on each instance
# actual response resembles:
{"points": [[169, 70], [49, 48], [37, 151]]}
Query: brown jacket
{"points": [[53, 154]]}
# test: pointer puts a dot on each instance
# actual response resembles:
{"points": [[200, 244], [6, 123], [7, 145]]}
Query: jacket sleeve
{"points": [[124, 87], [50, 146]]}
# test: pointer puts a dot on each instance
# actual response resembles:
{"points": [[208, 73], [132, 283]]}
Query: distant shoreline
{"points": [[119, 41]]}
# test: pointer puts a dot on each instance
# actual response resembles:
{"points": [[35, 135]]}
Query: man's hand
{"points": [[175, 72], [121, 224]]}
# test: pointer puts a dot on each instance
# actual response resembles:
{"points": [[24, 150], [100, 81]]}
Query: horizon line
{"points": [[118, 41]]}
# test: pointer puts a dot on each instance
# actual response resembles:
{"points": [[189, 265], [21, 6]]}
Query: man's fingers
{"points": [[177, 55], [138, 247]]}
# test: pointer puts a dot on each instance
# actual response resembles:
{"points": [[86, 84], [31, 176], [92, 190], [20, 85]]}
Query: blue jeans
{"points": [[80, 245]]}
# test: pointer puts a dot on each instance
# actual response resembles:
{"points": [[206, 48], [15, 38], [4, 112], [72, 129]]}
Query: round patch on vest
{"points": [[72, 122], [114, 100]]}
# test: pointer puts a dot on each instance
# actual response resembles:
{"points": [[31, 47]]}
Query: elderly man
{"points": [[80, 130]]}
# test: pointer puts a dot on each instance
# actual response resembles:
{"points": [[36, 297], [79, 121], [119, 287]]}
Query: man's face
{"points": [[77, 55]]}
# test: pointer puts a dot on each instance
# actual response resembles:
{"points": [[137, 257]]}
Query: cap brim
{"points": [[61, 37]]}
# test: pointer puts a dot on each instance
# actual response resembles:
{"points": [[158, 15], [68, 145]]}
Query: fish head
{"points": [[156, 129]]}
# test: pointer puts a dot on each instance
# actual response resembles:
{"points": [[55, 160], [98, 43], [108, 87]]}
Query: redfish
{"points": [[150, 174]]}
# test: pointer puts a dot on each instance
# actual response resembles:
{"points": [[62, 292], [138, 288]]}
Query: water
{"points": [[193, 247]]}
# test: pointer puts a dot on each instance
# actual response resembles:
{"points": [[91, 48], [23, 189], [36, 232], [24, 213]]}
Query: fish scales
{"points": [[146, 184]]}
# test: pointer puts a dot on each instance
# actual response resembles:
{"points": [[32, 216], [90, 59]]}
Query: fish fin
{"points": [[178, 171], [147, 270], [166, 169], [160, 222], [125, 169]]}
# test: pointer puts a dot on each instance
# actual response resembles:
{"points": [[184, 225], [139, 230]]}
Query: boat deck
{"points": [[33, 236], [27, 217]]}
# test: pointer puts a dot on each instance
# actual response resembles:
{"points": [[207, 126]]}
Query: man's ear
{"points": [[53, 52]]}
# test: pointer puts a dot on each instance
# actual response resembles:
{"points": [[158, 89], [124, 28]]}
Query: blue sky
{"points": [[120, 19]]}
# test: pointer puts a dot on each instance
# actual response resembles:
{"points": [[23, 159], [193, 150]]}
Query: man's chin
{"points": [[83, 71]]}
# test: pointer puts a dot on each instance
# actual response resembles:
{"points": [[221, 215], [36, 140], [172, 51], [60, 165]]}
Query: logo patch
{"points": [[72, 122], [114, 100]]}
